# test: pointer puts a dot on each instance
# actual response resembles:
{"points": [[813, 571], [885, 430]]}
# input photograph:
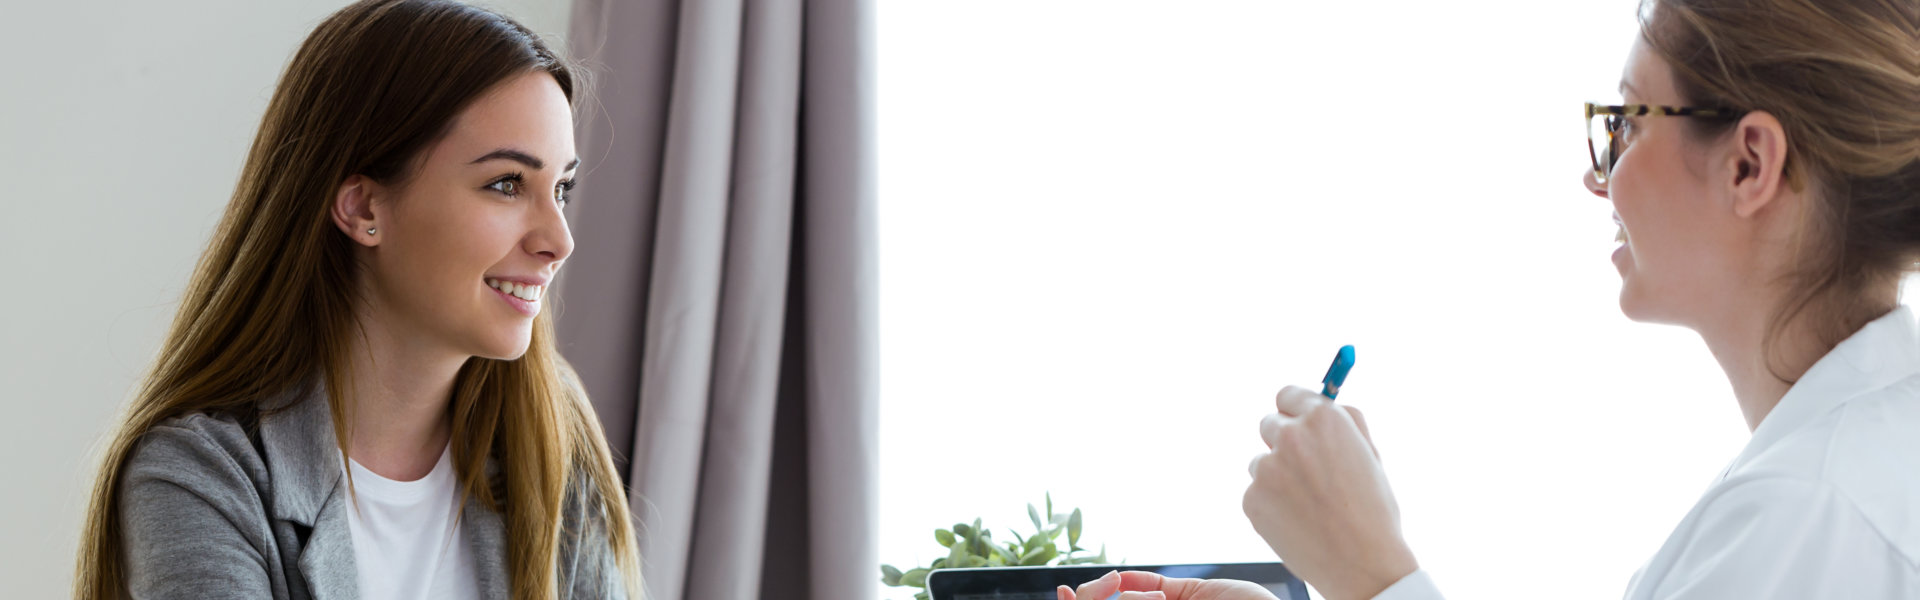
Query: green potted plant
{"points": [[972, 545]]}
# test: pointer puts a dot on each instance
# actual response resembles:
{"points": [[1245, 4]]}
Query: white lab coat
{"points": [[1824, 502]]}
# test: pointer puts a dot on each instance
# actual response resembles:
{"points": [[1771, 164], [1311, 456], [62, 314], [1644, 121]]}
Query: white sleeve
{"points": [[1415, 586], [1785, 538]]}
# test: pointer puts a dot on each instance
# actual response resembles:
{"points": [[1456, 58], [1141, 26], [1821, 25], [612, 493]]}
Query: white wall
{"points": [[122, 128]]}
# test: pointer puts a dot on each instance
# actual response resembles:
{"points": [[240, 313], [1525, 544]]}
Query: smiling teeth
{"points": [[530, 293]]}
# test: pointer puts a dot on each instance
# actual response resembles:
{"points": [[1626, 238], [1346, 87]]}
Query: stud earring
{"points": [[370, 230]]}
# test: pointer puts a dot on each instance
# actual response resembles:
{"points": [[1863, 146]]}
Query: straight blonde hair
{"points": [[271, 301]]}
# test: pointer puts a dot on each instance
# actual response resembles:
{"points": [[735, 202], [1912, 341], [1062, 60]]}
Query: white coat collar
{"points": [[1880, 354]]}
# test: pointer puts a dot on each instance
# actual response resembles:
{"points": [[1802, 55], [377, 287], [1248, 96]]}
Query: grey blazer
{"points": [[212, 506]]}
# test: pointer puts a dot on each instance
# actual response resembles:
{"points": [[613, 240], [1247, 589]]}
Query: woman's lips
{"points": [[528, 308]]}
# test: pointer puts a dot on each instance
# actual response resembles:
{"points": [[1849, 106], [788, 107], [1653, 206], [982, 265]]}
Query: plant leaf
{"points": [[915, 578], [1034, 514], [1073, 529], [1031, 558], [1049, 502], [889, 575], [962, 530], [944, 537], [958, 555], [1005, 555], [1038, 540], [1038, 556]]}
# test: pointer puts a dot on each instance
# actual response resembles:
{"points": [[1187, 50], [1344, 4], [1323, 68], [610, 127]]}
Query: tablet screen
{"points": [[1038, 583]]}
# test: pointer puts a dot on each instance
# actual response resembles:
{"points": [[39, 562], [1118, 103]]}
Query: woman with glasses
{"points": [[1765, 174]]}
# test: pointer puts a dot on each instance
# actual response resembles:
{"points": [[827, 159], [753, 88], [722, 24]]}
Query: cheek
{"points": [[445, 256], [1673, 228], [1645, 190]]}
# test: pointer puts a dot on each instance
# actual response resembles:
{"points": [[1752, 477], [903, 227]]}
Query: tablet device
{"points": [[1038, 583]]}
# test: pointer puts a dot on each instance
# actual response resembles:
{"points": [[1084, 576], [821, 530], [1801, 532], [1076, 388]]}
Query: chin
{"points": [[509, 348], [1641, 305]]}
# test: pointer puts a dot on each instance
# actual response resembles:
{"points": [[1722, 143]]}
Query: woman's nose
{"points": [[1593, 184]]}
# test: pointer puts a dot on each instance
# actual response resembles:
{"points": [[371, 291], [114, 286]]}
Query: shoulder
{"points": [[210, 455], [1775, 537], [1856, 460]]}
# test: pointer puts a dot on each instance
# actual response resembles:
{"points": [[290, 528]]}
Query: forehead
{"points": [[1647, 78], [528, 112]]}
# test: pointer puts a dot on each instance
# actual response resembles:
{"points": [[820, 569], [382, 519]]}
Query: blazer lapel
{"points": [[327, 560], [303, 460], [486, 534]]}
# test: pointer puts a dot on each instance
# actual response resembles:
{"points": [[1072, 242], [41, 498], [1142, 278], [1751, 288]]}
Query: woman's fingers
{"points": [[1098, 589], [1147, 585], [1145, 581], [1294, 400], [1360, 421], [1270, 426]]}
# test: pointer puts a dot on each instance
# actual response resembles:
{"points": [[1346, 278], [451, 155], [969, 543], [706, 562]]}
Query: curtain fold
{"points": [[720, 305]]}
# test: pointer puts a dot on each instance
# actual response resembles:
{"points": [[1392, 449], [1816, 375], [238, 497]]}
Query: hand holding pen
{"points": [[1319, 496]]}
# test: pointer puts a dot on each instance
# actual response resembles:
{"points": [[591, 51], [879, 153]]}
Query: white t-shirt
{"points": [[406, 536]]}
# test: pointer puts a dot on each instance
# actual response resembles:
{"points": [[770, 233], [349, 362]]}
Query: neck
{"points": [[1741, 351], [1760, 368], [398, 402]]}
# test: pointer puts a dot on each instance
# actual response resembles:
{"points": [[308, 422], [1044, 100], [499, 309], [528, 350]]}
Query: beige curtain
{"points": [[720, 303]]}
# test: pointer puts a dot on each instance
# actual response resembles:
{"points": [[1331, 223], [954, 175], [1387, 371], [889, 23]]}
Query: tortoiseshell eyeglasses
{"points": [[1606, 122]]}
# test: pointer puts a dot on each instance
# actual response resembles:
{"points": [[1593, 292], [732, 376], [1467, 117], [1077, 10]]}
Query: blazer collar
{"points": [[303, 460], [1882, 353], [303, 457]]}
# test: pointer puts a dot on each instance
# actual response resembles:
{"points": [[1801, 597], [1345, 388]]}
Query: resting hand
{"points": [[1144, 585], [1320, 499]]}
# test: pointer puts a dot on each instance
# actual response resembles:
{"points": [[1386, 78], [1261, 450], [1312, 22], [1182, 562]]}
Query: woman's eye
{"points": [[563, 192], [510, 187]]}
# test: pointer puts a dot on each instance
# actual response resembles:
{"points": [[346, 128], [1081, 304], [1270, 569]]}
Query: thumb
{"points": [[1143, 596]]}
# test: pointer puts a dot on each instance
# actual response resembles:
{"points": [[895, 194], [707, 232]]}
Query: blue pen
{"points": [[1337, 374]]}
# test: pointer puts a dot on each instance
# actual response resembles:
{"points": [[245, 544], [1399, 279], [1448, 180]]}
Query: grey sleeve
{"points": [[587, 568], [191, 520]]}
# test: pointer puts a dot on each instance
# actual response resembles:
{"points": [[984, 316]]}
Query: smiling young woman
{"points": [[360, 391]]}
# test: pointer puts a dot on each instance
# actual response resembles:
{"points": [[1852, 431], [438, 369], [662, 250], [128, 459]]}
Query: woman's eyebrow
{"points": [[529, 160], [1625, 87]]}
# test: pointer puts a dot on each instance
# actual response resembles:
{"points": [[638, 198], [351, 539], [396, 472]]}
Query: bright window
{"points": [[1110, 231]]}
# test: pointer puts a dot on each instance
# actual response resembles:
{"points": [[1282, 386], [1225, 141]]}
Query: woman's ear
{"points": [[1757, 166], [354, 212]]}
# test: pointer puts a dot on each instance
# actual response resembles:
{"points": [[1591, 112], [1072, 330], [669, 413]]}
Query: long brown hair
{"points": [[270, 303], [1843, 78]]}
